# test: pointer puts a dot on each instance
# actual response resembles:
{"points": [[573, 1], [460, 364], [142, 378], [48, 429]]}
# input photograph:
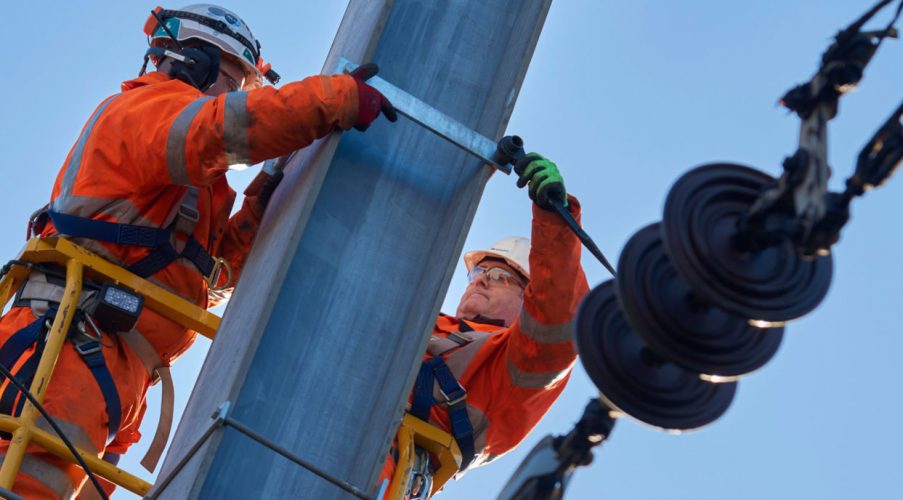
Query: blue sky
{"points": [[624, 96]]}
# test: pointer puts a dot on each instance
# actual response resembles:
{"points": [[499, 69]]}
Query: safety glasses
{"points": [[231, 83], [495, 275]]}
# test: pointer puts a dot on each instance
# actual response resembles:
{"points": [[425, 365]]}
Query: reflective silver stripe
{"points": [[528, 380], [175, 142], [75, 434], [125, 212], [439, 345], [122, 210], [61, 202], [235, 128], [46, 474], [545, 334], [459, 360], [37, 289], [480, 424]]}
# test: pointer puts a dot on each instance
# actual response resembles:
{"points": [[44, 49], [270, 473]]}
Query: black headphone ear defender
{"points": [[196, 66]]}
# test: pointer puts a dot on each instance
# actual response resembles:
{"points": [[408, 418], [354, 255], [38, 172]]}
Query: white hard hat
{"points": [[514, 250], [217, 26]]}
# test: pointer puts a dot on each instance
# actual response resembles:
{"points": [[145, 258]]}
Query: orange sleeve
{"points": [[242, 229], [539, 351], [249, 127], [235, 246]]}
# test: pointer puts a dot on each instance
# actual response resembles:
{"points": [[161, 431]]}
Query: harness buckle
{"points": [[219, 264], [456, 396], [87, 348], [186, 219]]}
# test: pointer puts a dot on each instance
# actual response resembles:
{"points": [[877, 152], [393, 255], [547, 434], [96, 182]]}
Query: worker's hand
{"points": [[544, 180], [370, 101]]}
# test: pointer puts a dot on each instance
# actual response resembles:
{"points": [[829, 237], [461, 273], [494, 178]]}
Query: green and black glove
{"points": [[545, 182]]}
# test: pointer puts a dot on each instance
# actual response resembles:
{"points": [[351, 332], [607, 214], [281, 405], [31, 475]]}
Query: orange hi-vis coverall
{"points": [[510, 376], [149, 156]]}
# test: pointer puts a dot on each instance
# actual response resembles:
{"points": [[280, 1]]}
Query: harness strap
{"points": [[20, 341], [422, 401], [157, 371], [92, 354], [12, 351], [26, 375], [112, 232], [435, 370], [112, 458], [157, 239], [30, 335], [37, 289], [187, 215]]}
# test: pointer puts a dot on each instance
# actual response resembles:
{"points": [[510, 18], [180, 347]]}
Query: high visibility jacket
{"points": [[137, 159], [513, 375], [142, 149]]}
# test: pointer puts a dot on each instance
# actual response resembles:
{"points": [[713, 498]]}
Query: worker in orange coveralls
{"points": [[494, 369], [145, 187]]}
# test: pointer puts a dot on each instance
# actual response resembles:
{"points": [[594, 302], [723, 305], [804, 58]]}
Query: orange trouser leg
{"points": [[76, 403]]}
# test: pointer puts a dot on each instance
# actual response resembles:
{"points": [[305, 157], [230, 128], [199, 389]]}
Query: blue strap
{"points": [[195, 253], [112, 458], [26, 375], [157, 239], [112, 232], [155, 261], [19, 342], [12, 351], [163, 255], [435, 369], [422, 401], [92, 354], [462, 429]]}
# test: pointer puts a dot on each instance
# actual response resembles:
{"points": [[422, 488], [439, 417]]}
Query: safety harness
{"points": [[34, 334], [158, 240], [42, 293], [436, 371]]}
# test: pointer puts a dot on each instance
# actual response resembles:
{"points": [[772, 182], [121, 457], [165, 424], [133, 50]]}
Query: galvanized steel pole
{"points": [[318, 349]]}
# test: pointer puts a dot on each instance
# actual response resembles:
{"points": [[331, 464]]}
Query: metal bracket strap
{"points": [[434, 120]]}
